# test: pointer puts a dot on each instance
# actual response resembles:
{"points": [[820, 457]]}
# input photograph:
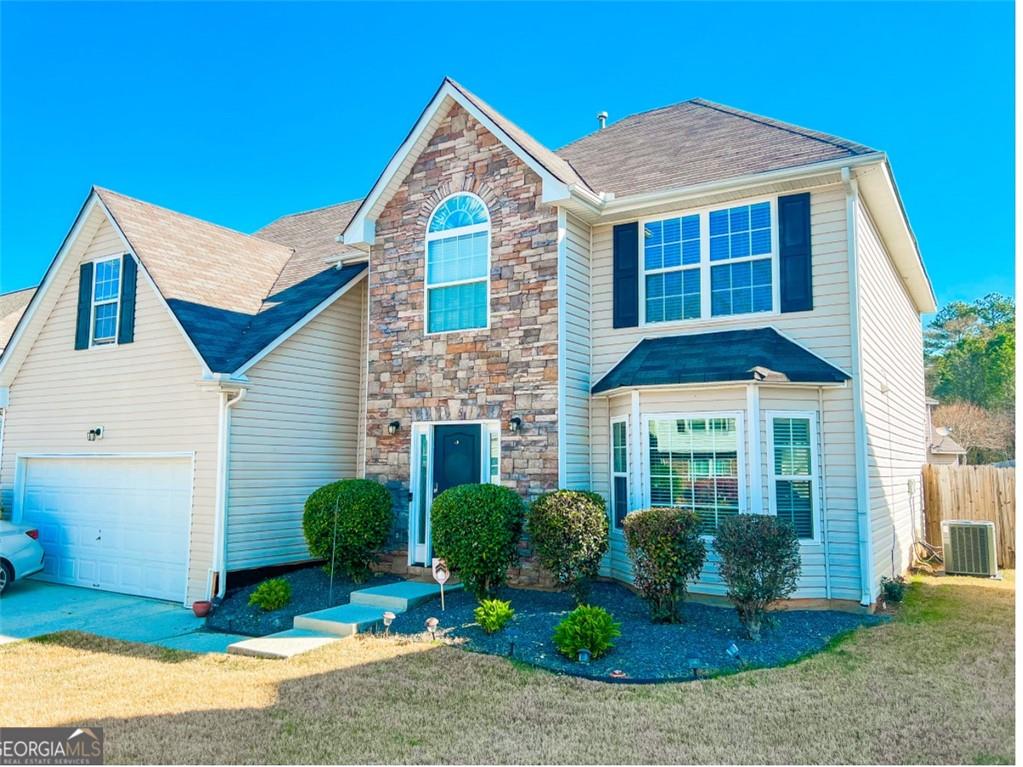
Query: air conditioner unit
{"points": [[969, 548]]}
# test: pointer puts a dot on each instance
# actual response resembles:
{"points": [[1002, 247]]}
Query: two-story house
{"points": [[693, 306]]}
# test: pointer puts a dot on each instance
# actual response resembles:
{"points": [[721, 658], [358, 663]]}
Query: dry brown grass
{"points": [[935, 686]]}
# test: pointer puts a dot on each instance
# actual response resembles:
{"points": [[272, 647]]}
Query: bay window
{"points": [[695, 462], [793, 454]]}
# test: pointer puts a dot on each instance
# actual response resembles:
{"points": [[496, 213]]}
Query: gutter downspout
{"points": [[824, 494], [228, 399], [863, 526]]}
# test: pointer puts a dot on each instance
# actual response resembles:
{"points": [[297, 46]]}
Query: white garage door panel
{"points": [[118, 524]]}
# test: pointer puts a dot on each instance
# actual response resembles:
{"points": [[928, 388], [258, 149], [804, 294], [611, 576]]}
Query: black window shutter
{"points": [[626, 275], [82, 327], [794, 257], [126, 324]]}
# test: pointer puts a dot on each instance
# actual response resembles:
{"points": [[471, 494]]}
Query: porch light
{"points": [[514, 424], [392, 427]]}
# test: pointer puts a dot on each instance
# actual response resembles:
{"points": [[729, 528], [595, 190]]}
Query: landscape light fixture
{"points": [[388, 620], [431, 626]]}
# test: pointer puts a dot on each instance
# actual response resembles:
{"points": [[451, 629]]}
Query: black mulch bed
{"points": [[310, 590], [646, 652]]}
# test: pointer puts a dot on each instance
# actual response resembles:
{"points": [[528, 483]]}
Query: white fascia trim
{"points": [[630, 203], [152, 284], [312, 314], [618, 391], [51, 272], [863, 525], [361, 229], [5, 397]]}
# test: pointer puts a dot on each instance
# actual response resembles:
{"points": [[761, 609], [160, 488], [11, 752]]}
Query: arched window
{"points": [[458, 265]]}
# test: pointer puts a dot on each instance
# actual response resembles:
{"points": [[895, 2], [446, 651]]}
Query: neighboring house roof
{"points": [[12, 306], [233, 293], [693, 142], [941, 442], [725, 356]]}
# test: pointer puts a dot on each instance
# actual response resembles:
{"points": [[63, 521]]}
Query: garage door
{"points": [[118, 524]]}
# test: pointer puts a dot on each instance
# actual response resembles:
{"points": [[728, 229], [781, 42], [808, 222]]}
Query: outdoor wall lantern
{"points": [[392, 427], [515, 424]]}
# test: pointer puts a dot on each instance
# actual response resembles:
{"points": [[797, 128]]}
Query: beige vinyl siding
{"points": [[296, 429], [893, 402], [146, 395], [825, 331], [574, 421]]}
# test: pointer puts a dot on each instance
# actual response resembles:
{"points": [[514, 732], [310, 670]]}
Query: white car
{"points": [[20, 553]]}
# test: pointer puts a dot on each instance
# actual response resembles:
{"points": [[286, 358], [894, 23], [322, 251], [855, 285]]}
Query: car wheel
{"points": [[6, 576]]}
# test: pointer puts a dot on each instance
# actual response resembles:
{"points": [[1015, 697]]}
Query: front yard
{"points": [[934, 686]]}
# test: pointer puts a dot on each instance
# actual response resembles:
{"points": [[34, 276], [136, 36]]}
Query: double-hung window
{"points": [[619, 470], [741, 236], [695, 462], [793, 440], [106, 295], [712, 263], [458, 265], [671, 265]]}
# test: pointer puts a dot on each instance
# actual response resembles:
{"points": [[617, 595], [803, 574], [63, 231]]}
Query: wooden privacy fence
{"points": [[982, 493]]}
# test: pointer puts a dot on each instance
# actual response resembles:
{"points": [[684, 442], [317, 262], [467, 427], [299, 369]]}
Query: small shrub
{"points": [[569, 532], [586, 628], [360, 509], [271, 594], [667, 553], [759, 563], [894, 589], [492, 614], [476, 529]]}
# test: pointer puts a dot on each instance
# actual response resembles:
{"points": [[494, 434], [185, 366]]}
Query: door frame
{"points": [[21, 468], [490, 438]]}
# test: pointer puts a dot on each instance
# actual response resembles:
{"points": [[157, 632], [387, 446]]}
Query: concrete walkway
{"points": [[32, 608]]}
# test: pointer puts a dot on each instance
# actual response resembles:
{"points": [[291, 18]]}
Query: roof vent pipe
{"points": [[602, 119]]}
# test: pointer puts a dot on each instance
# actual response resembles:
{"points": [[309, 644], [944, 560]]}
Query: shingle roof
{"points": [[12, 306], [725, 356], [693, 142], [941, 442], [233, 293]]}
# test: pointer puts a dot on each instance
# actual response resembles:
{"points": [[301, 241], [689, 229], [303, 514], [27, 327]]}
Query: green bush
{"points": [[569, 530], [586, 628], [492, 614], [894, 589], [347, 523], [271, 594], [476, 530], [667, 553], [759, 564]]}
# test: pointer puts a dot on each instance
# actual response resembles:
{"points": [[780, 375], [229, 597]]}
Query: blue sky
{"points": [[239, 113]]}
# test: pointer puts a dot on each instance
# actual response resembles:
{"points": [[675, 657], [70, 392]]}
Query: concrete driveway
{"points": [[32, 608]]}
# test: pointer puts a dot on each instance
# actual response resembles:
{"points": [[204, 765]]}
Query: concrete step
{"points": [[283, 644], [399, 597], [341, 621]]}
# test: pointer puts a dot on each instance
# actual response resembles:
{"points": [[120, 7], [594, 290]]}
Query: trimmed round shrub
{"points": [[586, 628], [347, 523], [569, 533], [759, 563], [476, 530], [667, 553], [271, 594], [492, 614]]}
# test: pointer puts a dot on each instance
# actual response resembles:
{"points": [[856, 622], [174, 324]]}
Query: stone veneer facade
{"points": [[498, 372]]}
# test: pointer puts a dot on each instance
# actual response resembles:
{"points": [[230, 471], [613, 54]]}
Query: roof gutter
{"points": [[619, 390], [635, 201]]}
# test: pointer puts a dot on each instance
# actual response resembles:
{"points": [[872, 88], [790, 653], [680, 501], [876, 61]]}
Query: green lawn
{"points": [[934, 686]]}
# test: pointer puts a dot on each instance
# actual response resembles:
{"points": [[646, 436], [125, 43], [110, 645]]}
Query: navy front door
{"points": [[456, 456]]}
